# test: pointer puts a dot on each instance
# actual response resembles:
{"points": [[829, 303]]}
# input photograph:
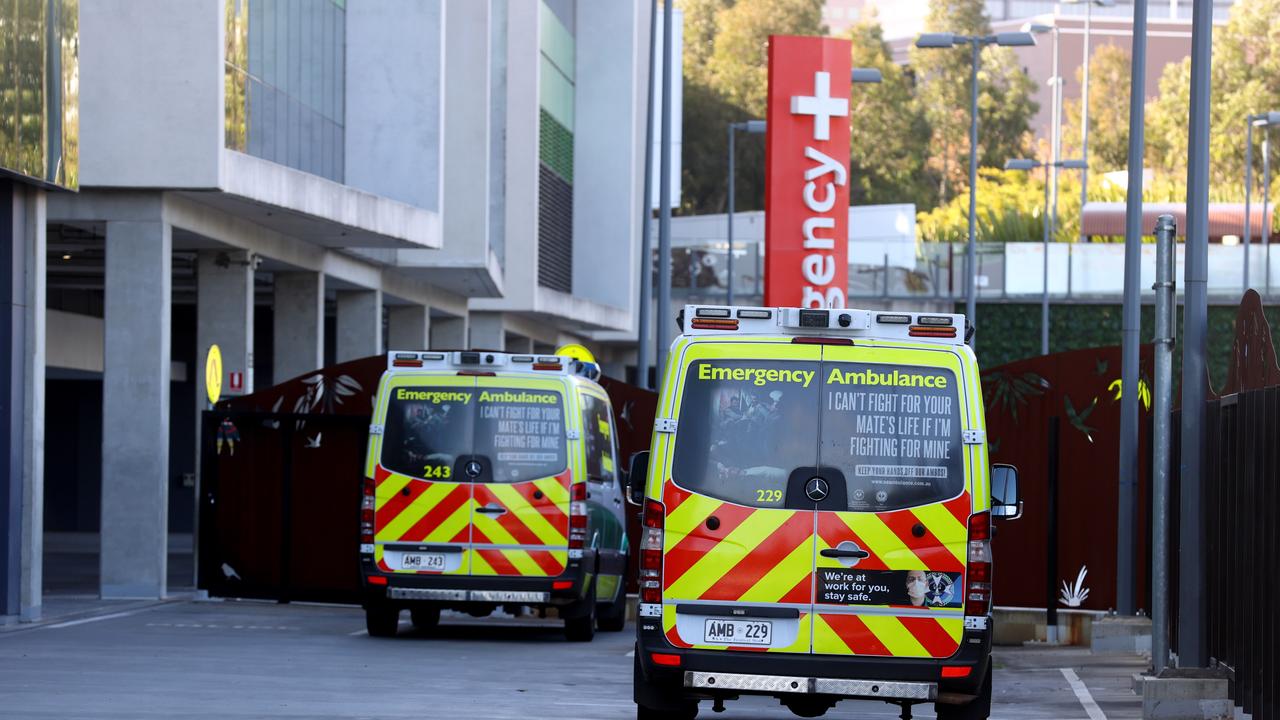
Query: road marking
{"points": [[1082, 694], [358, 633], [83, 621], [630, 653]]}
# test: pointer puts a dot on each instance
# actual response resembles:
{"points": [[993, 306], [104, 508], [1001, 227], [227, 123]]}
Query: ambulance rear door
{"points": [[892, 531]]}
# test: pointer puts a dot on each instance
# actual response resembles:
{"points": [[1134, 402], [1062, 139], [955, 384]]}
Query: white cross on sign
{"points": [[821, 106]]}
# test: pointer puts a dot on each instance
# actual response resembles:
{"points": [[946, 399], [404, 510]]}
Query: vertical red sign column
{"points": [[807, 161]]}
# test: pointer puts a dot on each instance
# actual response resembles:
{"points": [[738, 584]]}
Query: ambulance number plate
{"points": [[738, 632], [422, 561]]}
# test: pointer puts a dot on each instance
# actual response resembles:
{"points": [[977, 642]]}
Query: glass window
{"points": [[521, 432], [597, 433], [745, 425], [427, 430], [894, 432]]}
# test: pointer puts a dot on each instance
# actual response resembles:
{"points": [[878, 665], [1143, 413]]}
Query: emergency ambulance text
{"points": [[435, 397], [887, 379], [758, 376]]}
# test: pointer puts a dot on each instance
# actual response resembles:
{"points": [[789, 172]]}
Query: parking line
{"points": [[83, 621], [358, 633], [1082, 694]]}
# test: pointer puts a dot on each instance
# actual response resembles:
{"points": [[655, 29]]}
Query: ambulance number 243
{"points": [[437, 472]]}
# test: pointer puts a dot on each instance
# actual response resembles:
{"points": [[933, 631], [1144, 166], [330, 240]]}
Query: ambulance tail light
{"points": [[701, 323], [651, 552], [367, 503], [577, 516], [977, 586], [931, 332]]}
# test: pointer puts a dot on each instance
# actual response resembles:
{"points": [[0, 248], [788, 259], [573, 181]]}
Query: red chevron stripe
{"points": [[700, 541], [855, 634], [508, 520], [833, 531], [478, 537], [927, 547], [935, 639], [797, 530], [553, 513], [801, 593], [498, 561], [674, 639], [961, 508], [463, 536], [380, 473], [397, 504], [448, 505], [547, 561]]}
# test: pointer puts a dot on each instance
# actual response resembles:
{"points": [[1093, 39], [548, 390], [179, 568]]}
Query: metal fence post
{"points": [[1051, 574], [1162, 409]]}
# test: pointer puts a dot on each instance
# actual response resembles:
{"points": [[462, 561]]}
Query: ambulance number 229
{"points": [[770, 497]]}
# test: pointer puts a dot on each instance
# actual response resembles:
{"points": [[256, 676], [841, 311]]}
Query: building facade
{"points": [[303, 182]]}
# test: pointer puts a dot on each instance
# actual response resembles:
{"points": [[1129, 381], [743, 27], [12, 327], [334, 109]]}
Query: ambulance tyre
{"points": [[381, 620], [977, 709], [425, 618], [580, 626], [659, 702]]}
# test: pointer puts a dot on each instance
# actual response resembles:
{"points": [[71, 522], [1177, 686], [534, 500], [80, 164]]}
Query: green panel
{"points": [[555, 146], [555, 93], [555, 41]]}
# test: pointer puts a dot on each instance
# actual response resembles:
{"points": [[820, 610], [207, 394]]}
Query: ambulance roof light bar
{"points": [[487, 362], [950, 329]]}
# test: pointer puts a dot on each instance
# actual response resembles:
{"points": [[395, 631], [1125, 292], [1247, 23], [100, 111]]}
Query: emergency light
{"points": [[484, 362], [832, 325]]}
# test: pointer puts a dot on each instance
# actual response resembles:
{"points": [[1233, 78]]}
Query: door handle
{"points": [[492, 510], [837, 553]]}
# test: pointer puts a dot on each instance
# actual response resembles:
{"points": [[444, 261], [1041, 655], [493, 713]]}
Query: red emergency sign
{"points": [[237, 381], [807, 163]]}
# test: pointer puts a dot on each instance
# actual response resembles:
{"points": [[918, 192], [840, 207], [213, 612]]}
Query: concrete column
{"points": [[408, 327], [359, 325], [488, 331], [224, 316], [22, 332], [135, 418], [449, 333], [518, 343], [298, 328]]}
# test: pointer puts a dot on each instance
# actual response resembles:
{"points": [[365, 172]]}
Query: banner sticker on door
{"points": [[905, 588]]}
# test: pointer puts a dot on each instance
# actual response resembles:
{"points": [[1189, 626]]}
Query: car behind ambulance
{"points": [[490, 483], [817, 510]]}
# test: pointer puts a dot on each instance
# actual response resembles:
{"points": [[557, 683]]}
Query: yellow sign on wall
{"points": [[213, 374]]}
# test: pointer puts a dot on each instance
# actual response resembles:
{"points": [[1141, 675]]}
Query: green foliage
{"points": [[1109, 80], [1010, 209]]}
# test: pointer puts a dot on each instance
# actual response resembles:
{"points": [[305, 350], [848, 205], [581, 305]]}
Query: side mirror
{"points": [[637, 475], [1005, 502]]}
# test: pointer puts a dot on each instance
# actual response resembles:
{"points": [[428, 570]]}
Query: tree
{"points": [[1108, 111], [890, 134], [1005, 106], [739, 65]]}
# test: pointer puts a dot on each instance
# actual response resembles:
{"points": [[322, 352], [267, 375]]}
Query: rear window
{"points": [[894, 432], [517, 434], [745, 425]]}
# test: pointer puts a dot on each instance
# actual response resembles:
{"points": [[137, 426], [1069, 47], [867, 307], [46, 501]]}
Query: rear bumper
{"points": [[463, 590], [707, 673]]}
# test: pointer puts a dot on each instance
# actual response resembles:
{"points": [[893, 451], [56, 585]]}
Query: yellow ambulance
{"points": [[490, 483], [817, 508]]}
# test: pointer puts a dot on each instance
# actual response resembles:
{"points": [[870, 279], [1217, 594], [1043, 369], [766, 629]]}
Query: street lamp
{"points": [[1084, 99], [976, 43], [1264, 121], [1049, 222], [1055, 105], [757, 127]]}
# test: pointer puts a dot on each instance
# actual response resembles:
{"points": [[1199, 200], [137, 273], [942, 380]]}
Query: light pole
{"points": [[1264, 121], [1084, 100], [755, 127], [976, 43], [1055, 105], [1024, 164], [646, 242]]}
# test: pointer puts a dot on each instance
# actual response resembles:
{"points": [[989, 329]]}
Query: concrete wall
{"points": [[74, 342], [395, 54], [151, 88], [608, 166]]}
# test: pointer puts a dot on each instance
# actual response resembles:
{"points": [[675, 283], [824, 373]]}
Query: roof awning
{"points": [[1107, 218]]}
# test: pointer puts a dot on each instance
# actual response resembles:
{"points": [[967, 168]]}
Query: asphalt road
{"points": [[248, 660]]}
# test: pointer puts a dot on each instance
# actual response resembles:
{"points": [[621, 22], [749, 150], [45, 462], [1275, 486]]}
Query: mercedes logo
{"points": [[473, 469], [816, 489]]}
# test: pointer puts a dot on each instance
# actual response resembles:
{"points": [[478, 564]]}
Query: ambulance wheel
{"points": [[582, 628], [659, 702], [382, 620], [613, 616], [977, 709], [425, 618]]}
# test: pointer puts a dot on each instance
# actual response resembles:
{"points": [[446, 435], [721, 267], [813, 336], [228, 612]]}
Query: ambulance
{"points": [[817, 508], [490, 483]]}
